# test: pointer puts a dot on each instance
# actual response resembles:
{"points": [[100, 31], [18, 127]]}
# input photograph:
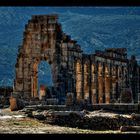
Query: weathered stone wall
{"points": [[92, 78], [109, 76], [44, 40]]}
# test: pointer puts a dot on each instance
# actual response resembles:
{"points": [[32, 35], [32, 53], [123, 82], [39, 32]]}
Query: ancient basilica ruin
{"points": [[103, 77]]}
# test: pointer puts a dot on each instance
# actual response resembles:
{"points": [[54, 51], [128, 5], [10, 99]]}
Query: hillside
{"points": [[93, 28]]}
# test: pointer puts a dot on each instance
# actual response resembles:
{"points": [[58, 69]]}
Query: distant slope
{"points": [[93, 28]]}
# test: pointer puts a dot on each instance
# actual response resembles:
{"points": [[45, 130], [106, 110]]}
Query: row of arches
{"points": [[100, 82]]}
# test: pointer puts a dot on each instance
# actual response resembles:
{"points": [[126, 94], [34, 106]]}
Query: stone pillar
{"points": [[138, 80], [113, 84], [32, 86], [139, 98], [69, 99], [35, 81], [113, 89], [86, 82], [42, 92], [139, 85], [107, 85], [100, 89], [18, 84], [107, 90], [78, 81], [35, 86], [27, 80], [100, 83], [119, 81], [93, 89]]}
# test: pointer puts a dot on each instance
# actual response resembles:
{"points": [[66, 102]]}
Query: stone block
{"points": [[13, 104]]}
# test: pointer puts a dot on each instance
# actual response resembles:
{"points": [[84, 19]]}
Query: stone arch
{"points": [[34, 75], [40, 42]]}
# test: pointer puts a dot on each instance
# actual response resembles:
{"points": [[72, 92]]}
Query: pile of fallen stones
{"points": [[95, 120]]}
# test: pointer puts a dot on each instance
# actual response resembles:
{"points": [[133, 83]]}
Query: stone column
{"points": [[42, 92], [113, 89], [35, 80], [86, 82], [93, 90], [100, 83], [139, 98], [35, 86], [138, 80], [26, 79], [32, 86], [78, 81], [119, 82], [107, 85], [100, 89], [18, 86], [113, 84]]}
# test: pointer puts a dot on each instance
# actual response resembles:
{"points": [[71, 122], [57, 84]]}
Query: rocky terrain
{"points": [[18, 123], [95, 120], [64, 122]]}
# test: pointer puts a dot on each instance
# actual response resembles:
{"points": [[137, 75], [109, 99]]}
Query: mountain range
{"points": [[94, 28]]}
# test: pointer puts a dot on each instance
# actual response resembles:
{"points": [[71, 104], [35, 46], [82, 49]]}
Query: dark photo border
{"points": [[70, 3]]}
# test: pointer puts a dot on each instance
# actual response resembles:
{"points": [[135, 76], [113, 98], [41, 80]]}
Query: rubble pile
{"points": [[95, 120]]}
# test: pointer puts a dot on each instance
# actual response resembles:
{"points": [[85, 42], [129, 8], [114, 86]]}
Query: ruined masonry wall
{"points": [[98, 78]]}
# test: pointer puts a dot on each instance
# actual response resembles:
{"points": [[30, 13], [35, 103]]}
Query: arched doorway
{"points": [[44, 40], [45, 79], [39, 44]]}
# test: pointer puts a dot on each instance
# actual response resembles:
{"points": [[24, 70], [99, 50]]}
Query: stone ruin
{"points": [[92, 78]]}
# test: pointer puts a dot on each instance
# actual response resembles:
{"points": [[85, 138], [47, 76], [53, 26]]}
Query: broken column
{"points": [[69, 99], [13, 104], [42, 92]]}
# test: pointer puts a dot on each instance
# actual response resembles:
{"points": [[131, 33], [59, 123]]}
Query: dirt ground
{"points": [[17, 123]]}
